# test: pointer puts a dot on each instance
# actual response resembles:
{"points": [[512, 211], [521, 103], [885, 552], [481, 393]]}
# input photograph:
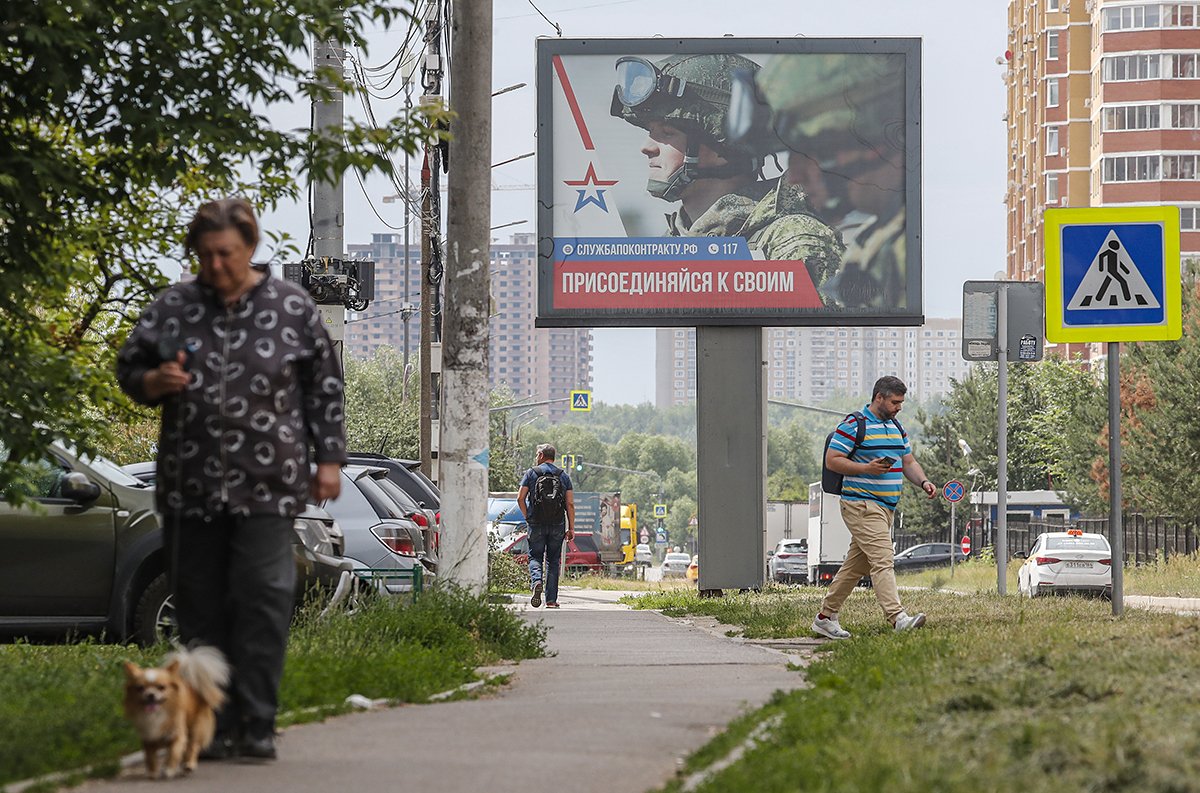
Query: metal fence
{"points": [[1147, 537]]}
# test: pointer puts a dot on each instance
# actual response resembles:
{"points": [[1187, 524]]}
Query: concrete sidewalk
{"points": [[622, 698]]}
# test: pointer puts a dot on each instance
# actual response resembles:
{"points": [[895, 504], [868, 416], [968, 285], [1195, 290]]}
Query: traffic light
{"points": [[577, 462]]}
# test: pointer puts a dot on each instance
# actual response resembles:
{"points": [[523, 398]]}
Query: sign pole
{"points": [[1002, 443], [953, 504], [1116, 531]]}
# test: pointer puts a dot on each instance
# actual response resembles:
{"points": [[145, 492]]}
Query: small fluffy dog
{"points": [[172, 707]]}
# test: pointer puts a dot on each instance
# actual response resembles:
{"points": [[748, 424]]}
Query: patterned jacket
{"points": [[265, 401]]}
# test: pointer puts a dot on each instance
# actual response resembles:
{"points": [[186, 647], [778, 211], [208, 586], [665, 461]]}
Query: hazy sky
{"points": [[963, 134]]}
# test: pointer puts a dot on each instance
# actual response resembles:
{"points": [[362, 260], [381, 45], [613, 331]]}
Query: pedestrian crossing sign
{"points": [[1113, 274], [581, 401]]}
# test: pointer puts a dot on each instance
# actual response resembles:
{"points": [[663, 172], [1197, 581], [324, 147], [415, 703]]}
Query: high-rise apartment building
{"points": [[538, 364], [1103, 110], [811, 365]]}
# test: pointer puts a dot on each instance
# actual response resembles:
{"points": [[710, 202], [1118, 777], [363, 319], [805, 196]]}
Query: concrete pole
{"points": [[463, 457], [430, 226], [328, 214]]}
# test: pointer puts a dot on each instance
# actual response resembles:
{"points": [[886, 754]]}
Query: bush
{"points": [[504, 574]]}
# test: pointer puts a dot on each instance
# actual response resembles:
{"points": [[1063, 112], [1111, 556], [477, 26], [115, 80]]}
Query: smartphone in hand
{"points": [[889, 460]]}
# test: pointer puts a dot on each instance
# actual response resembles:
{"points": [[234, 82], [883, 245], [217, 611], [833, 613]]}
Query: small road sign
{"points": [[660, 510], [1112, 274], [645, 537], [581, 401], [966, 546], [953, 491]]}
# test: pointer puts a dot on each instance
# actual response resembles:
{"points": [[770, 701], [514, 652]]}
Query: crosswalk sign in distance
{"points": [[581, 401], [1112, 274]]}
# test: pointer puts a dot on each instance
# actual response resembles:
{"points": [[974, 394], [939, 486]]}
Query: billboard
{"points": [[729, 182]]}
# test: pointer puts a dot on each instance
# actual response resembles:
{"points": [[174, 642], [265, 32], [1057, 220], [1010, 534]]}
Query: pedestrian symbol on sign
{"points": [[1113, 281], [581, 401]]}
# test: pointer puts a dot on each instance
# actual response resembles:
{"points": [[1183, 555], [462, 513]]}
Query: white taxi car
{"points": [[1066, 561]]}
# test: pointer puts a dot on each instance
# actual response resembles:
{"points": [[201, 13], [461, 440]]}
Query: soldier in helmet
{"points": [[682, 102], [842, 118]]}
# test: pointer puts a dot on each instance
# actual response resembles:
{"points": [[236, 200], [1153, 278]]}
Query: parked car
{"points": [[421, 499], [319, 550], [675, 564], [693, 571], [504, 518], [1066, 561], [642, 555], [926, 555], [382, 535], [582, 554], [787, 562]]}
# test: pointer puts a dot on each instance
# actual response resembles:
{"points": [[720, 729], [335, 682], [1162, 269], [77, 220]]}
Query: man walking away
{"points": [[548, 504], [871, 452]]}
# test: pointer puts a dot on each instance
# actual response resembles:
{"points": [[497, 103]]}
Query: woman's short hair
{"points": [[228, 213]]}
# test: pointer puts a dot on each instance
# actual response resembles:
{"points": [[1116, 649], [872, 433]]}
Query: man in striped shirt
{"points": [[873, 474]]}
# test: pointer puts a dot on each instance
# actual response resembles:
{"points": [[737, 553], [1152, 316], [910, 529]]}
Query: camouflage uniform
{"points": [[824, 105], [777, 222], [775, 218]]}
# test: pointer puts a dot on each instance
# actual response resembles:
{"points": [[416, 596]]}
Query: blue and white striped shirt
{"points": [[882, 439]]}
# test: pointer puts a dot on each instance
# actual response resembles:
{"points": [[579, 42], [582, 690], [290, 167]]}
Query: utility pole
{"points": [[465, 452], [431, 84], [328, 214]]}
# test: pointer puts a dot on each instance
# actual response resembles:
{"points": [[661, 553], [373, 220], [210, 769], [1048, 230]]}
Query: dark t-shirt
{"points": [[531, 476]]}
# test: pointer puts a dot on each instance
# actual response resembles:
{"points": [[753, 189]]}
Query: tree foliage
{"points": [[1159, 383], [116, 120], [1056, 414]]}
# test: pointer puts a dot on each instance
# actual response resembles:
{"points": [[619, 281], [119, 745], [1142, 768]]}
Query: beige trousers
{"points": [[870, 525]]}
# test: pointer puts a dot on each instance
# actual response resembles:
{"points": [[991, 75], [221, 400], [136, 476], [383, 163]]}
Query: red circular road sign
{"points": [[966, 546]]}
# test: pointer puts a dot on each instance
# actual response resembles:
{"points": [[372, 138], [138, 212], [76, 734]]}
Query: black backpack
{"points": [[831, 481], [547, 497]]}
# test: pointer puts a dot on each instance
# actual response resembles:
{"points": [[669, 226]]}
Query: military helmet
{"points": [[689, 91], [834, 100]]}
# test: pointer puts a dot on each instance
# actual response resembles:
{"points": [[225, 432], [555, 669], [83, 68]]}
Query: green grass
{"points": [[1179, 576], [630, 584], [60, 704], [994, 694]]}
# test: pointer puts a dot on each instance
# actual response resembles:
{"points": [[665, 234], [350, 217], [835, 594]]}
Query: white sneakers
{"points": [[907, 623], [829, 627]]}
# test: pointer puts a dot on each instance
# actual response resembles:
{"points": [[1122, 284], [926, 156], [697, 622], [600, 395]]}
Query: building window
{"points": [[1052, 93], [1182, 65], [1052, 45], [1131, 17], [1179, 15], [1117, 119], [1120, 68], [1184, 116], [1052, 141], [1179, 166], [1188, 217], [1051, 5], [1142, 168]]}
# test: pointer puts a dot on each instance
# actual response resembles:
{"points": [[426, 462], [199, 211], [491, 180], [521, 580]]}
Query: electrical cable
{"points": [[557, 27]]}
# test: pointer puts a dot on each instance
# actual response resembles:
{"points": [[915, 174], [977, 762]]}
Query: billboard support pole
{"points": [[731, 456]]}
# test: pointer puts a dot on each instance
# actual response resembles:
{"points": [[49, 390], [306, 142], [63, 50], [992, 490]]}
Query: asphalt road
{"points": [[621, 699]]}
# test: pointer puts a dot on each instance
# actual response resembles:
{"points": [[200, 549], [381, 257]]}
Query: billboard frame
{"points": [[909, 47]]}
